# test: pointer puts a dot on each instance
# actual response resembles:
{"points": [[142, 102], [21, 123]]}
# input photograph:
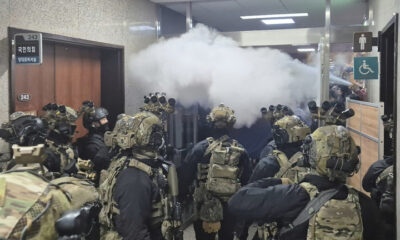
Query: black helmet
{"points": [[26, 130], [90, 117]]}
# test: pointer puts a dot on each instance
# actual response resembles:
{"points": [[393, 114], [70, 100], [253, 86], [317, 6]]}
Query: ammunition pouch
{"points": [[223, 188], [109, 139], [30, 154], [211, 210]]}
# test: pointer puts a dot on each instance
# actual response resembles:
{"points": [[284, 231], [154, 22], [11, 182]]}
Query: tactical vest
{"points": [[65, 152], [337, 219], [218, 180], [30, 205], [288, 169], [110, 208]]}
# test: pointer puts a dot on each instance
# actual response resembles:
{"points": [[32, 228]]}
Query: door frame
{"points": [[59, 39], [394, 22]]}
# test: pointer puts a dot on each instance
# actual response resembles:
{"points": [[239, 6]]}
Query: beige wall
{"points": [[97, 20], [381, 11]]}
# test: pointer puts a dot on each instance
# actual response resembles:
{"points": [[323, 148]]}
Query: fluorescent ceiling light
{"points": [[278, 21], [141, 28], [275, 16], [306, 49]]}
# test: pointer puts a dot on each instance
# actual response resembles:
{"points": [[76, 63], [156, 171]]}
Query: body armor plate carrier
{"points": [[110, 208], [337, 219], [217, 181]]}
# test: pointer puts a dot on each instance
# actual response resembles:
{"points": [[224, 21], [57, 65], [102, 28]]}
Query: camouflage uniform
{"points": [[348, 214], [30, 204]]}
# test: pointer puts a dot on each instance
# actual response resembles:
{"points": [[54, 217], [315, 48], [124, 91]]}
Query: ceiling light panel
{"points": [[278, 21], [274, 16]]}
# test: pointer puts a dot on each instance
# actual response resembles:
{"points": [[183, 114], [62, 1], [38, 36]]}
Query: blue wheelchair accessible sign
{"points": [[366, 68]]}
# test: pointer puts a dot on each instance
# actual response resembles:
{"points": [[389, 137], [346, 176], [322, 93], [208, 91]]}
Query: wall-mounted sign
{"points": [[366, 68], [24, 97], [362, 42], [28, 48]]}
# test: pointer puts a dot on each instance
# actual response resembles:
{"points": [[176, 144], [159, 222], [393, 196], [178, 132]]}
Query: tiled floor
{"points": [[188, 234]]}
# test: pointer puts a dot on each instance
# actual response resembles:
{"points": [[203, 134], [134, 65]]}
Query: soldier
{"points": [[322, 206], [92, 146], [220, 166], [60, 121], [379, 181], [286, 161], [272, 115], [30, 203], [135, 197]]}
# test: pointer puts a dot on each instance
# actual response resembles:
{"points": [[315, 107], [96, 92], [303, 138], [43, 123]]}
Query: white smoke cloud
{"points": [[205, 67]]}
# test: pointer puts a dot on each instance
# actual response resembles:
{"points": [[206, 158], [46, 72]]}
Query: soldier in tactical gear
{"points": [[137, 203], [286, 161], [60, 122], [379, 181], [219, 165], [322, 206], [92, 146], [30, 202], [273, 114]]}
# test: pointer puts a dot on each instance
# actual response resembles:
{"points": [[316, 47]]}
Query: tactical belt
{"points": [[311, 209]]}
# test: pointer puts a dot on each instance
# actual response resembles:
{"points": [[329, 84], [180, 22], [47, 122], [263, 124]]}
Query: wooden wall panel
{"points": [[365, 121], [77, 78], [370, 124], [37, 81], [369, 154], [354, 122], [355, 180]]}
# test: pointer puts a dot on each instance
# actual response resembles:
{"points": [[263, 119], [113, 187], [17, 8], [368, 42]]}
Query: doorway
{"points": [[73, 70], [388, 49], [388, 74]]}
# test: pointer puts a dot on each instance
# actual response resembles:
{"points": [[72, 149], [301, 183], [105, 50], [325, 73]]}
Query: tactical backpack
{"points": [[336, 219], [30, 205], [218, 180], [110, 207]]}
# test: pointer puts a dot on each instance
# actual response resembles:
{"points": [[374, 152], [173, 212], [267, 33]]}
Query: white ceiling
{"points": [[224, 15]]}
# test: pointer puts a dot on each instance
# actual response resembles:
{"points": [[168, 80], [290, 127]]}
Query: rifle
{"points": [[173, 217]]}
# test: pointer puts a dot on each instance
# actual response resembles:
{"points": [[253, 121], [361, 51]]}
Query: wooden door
{"points": [[69, 75], [37, 82], [77, 78]]}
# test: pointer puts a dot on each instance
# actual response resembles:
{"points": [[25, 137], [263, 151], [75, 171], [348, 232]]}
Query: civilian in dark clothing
{"points": [[347, 214], [91, 146]]}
